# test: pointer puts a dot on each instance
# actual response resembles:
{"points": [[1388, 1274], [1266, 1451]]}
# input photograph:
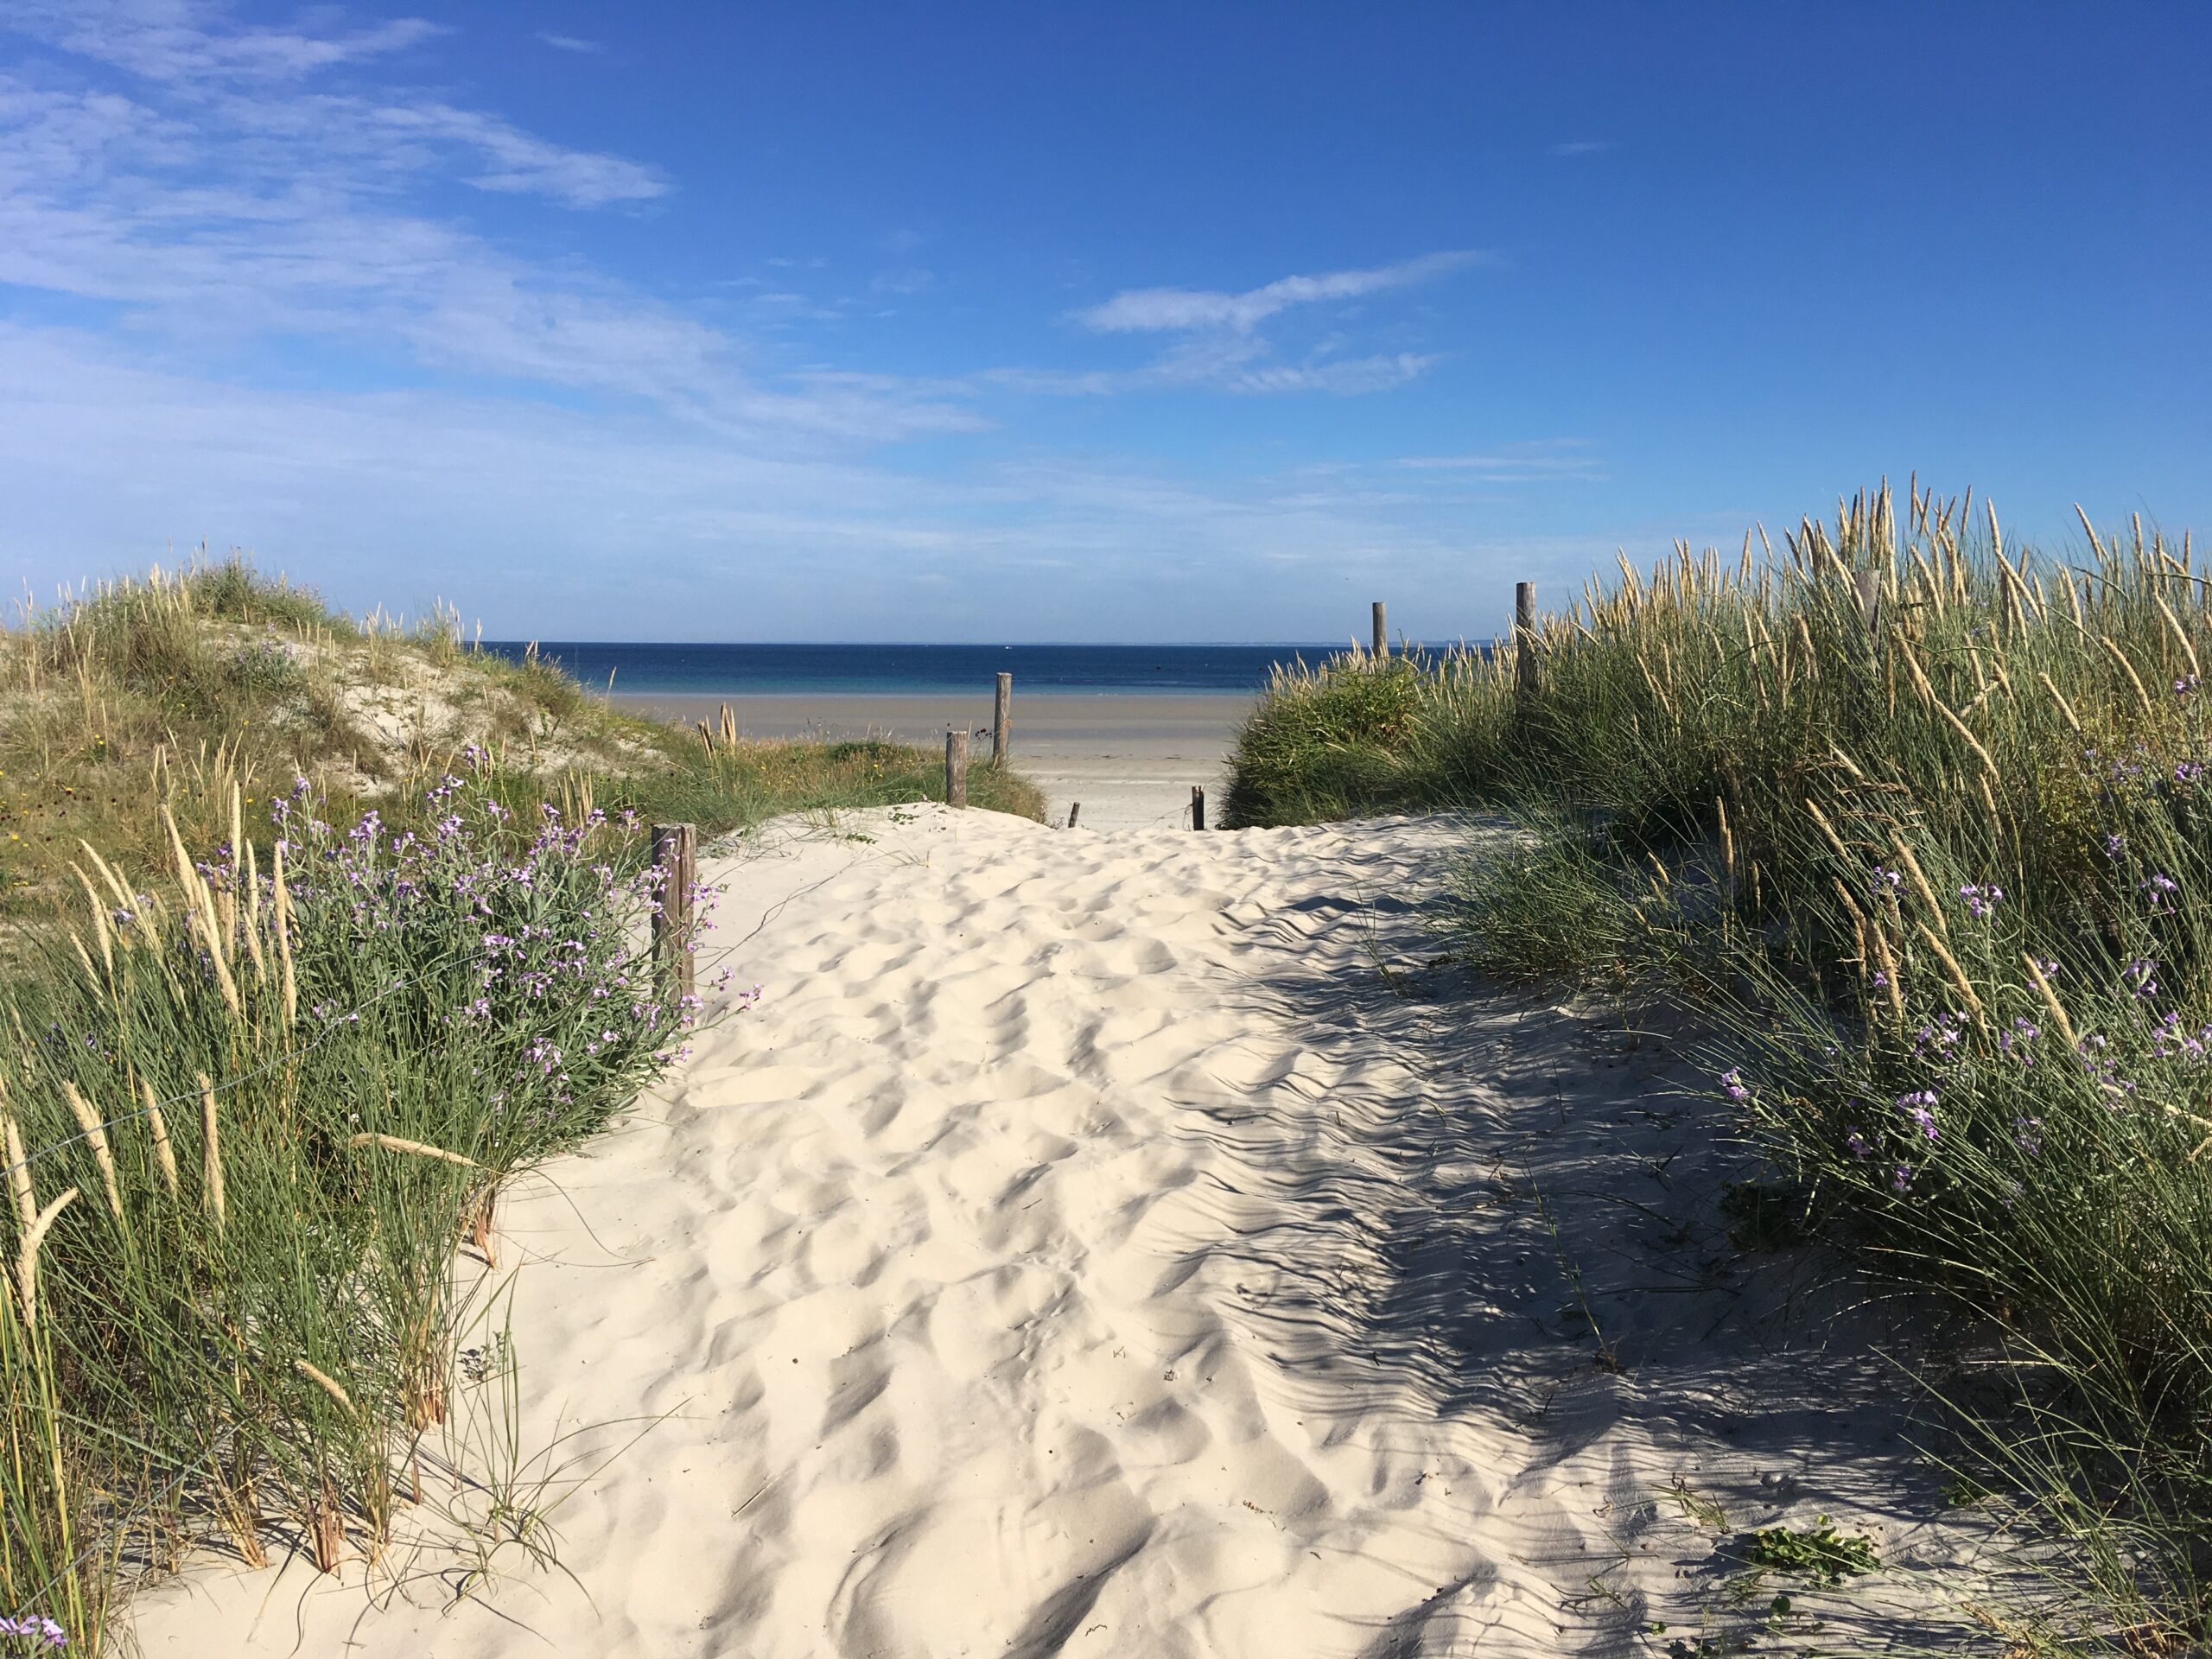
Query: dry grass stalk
{"points": [[27, 1258], [1920, 881], [211, 1169], [2050, 1000], [19, 1177], [1958, 973], [2059, 697], [1828, 830], [95, 1134], [1886, 963], [1966, 733], [2180, 633], [327, 1530], [327, 1382], [251, 926], [420, 1149], [2142, 695], [164, 1154], [1727, 840], [283, 897], [480, 1234], [2096, 545]]}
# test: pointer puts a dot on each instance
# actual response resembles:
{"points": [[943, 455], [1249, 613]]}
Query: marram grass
{"points": [[248, 1128], [1920, 821]]}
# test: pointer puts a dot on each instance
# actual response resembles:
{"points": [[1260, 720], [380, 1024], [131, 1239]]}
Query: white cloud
{"points": [[1548, 461], [212, 214], [555, 521], [1168, 309], [571, 43], [209, 195], [179, 41]]}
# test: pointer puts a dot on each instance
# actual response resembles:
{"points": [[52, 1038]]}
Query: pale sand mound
{"points": [[1120, 1244]]}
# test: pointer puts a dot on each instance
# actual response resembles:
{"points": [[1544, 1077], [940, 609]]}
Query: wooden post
{"points": [[1075, 811], [1868, 582], [956, 768], [1002, 721], [676, 853], [1382, 632], [1197, 807], [1524, 637]]}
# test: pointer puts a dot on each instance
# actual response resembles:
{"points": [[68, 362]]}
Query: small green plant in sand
{"points": [[1819, 1552]]}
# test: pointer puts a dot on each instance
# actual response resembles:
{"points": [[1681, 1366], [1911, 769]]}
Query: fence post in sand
{"points": [[676, 855], [1003, 720], [1075, 811], [1382, 632], [1524, 637], [1197, 807], [956, 768]]}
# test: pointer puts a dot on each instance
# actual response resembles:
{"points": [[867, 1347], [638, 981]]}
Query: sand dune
{"points": [[1127, 1245]]}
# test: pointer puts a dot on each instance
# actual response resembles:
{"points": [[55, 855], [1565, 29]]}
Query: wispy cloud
{"points": [[571, 43], [1582, 147], [178, 41], [1171, 309], [1543, 462], [218, 191]]}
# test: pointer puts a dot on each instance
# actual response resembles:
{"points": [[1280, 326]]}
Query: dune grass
{"points": [[179, 687], [1920, 823], [318, 935], [251, 1109]]}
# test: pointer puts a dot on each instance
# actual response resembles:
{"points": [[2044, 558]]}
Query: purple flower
{"points": [[2144, 973], [1920, 1107], [1901, 1177], [2161, 888], [1855, 1138], [1732, 1084], [2027, 1135], [2115, 846], [1982, 901]]}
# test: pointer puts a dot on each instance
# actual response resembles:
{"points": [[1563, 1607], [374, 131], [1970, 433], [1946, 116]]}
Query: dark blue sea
{"points": [[928, 670]]}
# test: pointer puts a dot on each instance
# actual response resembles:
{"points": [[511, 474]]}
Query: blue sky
{"points": [[1075, 322]]}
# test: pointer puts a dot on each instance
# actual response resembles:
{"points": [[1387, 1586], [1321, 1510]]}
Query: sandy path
{"points": [[1120, 1244]]}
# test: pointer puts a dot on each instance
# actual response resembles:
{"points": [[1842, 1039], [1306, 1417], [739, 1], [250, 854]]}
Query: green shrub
{"points": [[280, 1102]]}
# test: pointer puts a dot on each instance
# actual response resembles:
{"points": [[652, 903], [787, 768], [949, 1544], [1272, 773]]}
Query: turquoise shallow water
{"points": [[906, 671]]}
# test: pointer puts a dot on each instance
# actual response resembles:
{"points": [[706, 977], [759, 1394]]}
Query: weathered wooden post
{"points": [[1197, 807], [1868, 581], [676, 855], [1381, 631], [1524, 637], [1075, 811], [956, 768], [1003, 720]]}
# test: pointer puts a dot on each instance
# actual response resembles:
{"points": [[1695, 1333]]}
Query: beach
{"points": [[1131, 760], [1127, 1244]]}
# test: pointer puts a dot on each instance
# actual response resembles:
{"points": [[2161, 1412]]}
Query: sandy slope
{"points": [[1124, 1244]]}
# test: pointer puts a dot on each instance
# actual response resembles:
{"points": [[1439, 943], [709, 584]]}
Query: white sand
{"points": [[1120, 1244]]}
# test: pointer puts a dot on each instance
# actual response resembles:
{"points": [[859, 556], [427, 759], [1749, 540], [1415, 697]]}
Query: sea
{"points": [[730, 670]]}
